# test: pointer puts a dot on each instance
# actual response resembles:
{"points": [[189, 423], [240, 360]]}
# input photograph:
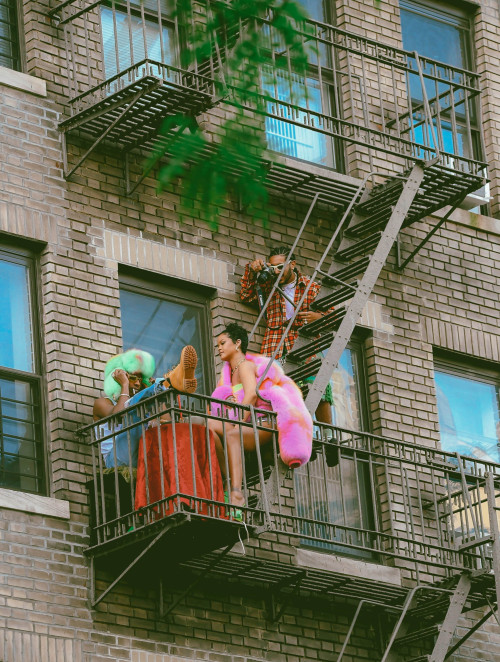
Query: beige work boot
{"points": [[181, 378]]}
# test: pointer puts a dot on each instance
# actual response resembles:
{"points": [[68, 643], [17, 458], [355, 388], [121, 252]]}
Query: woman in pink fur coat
{"points": [[238, 383], [232, 346]]}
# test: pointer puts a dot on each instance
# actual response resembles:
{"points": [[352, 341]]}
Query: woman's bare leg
{"points": [[234, 457]]}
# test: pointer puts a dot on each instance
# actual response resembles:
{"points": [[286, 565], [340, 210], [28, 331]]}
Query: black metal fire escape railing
{"points": [[371, 497], [125, 75]]}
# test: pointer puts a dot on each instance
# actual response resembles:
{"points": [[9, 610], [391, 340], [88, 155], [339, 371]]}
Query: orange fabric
{"points": [[201, 464]]}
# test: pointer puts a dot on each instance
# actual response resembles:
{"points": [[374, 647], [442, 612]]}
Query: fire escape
{"points": [[407, 127]]}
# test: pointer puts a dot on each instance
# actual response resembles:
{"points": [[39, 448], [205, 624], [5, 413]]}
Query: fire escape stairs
{"points": [[357, 262], [425, 629]]}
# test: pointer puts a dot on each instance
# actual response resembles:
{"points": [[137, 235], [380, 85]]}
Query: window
{"points": [[9, 35], [133, 34], [442, 33], [468, 402], [161, 320], [307, 93], [338, 492], [21, 439]]}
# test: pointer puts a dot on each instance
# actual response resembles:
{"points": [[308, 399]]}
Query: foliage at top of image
{"points": [[243, 44]]}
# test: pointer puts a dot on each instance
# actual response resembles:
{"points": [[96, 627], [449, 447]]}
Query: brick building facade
{"points": [[82, 257]]}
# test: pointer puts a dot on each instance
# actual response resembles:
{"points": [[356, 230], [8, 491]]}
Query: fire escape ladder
{"points": [[362, 253], [428, 622]]}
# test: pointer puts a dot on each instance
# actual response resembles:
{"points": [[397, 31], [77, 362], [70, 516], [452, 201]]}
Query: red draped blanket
{"points": [[198, 474]]}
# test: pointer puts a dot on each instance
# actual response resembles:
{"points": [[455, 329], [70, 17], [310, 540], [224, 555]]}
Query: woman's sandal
{"points": [[235, 512]]}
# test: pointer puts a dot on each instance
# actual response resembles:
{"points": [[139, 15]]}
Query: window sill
{"points": [[33, 503], [24, 82], [347, 566]]}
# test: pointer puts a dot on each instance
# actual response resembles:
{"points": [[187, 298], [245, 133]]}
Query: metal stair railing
{"points": [[368, 280]]}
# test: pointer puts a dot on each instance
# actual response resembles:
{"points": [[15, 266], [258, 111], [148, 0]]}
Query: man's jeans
{"points": [[133, 435]]}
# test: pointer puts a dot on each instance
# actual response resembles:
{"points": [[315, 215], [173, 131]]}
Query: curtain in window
{"points": [[127, 40], [292, 139]]}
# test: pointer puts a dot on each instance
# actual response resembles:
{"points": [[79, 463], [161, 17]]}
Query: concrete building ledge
{"points": [[33, 503], [352, 567], [24, 82], [473, 220]]}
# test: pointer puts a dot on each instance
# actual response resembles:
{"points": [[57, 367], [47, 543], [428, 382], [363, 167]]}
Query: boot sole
{"points": [[188, 363]]}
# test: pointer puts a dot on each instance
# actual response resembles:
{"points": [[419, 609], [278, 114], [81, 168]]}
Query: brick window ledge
{"points": [[33, 503], [20, 81]]}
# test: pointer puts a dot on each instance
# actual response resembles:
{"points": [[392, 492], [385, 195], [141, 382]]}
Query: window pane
{"points": [[331, 491], [9, 39], [468, 416], [443, 40], [346, 409], [290, 139], [163, 327], [16, 341], [20, 441], [129, 36]]}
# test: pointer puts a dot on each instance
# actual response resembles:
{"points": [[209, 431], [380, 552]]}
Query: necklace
{"points": [[233, 370]]}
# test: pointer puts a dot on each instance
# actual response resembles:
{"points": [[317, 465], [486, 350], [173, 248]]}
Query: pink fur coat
{"points": [[294, 422]]}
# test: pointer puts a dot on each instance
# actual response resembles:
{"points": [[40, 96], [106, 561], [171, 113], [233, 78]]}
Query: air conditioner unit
{"points": [[477, 198]]}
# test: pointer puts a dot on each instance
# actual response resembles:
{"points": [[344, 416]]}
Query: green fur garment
{"points": [[133, 360]]}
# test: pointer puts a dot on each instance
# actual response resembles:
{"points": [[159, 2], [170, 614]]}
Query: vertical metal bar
{"points": [[161, 461], [494, 529], [131, 37], [439, 127], [193, 468], [96, 483], [426, 104], [160, 26], [265, 500], [117, 46], [174, 441], [145, 35], [454, 128]]}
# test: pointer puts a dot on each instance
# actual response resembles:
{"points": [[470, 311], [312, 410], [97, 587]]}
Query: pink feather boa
{"points": [[294, 422]]}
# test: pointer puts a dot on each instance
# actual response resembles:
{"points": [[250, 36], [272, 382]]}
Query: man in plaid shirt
{"points": [[279, 310]]}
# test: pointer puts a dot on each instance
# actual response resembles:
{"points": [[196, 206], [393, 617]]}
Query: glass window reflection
{"points": [[469, 419], [16, 346], [162, 327]]}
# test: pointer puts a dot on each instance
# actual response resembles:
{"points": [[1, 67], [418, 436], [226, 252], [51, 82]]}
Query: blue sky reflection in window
{"points": [[16, 347], [469, 421]]}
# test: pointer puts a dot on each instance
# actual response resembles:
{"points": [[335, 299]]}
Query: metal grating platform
{"points": [[271, 575], [155, 100]]}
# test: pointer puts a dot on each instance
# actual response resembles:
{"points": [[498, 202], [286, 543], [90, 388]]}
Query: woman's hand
{"points": [[121, 377]]}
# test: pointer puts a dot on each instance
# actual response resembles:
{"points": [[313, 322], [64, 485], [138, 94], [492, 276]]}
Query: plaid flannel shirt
{"points": [[276, 311]]}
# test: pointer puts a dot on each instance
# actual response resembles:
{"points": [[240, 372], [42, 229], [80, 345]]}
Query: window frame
{"points": [[178, 291], [460, 17], [28, 256]]}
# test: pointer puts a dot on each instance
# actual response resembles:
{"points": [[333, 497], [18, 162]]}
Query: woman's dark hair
{"points": [[237, 332]]}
